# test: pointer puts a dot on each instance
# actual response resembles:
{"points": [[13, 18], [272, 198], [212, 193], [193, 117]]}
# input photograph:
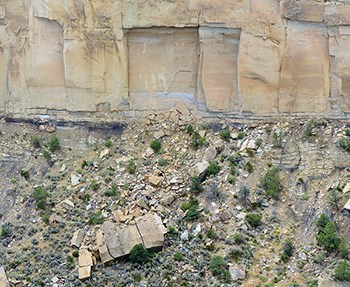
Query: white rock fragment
{"points": [[347, 205], [184, 235], [104, 153], [201, 167], [346, 188], [197, 230], [75, 179]]}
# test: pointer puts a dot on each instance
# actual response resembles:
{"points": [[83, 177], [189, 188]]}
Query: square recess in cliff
{"points": [[163, 67], [218, 76]]}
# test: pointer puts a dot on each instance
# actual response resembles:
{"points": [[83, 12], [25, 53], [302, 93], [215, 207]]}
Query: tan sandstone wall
{"points": [[106, 58]]}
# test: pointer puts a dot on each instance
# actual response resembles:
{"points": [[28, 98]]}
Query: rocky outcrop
{"points": [[97, 59]]}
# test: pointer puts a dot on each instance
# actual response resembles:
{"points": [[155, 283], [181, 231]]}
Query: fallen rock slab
{"points": [[77, 238], [84, 272], [152, 231], [3, 278], [85, 262], [85, 258]]}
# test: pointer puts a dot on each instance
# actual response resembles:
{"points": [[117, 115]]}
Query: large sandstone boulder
{"points": [[116, 240]]}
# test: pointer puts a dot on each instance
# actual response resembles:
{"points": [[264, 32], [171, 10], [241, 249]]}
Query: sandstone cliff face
{"points": [[91, 58]]}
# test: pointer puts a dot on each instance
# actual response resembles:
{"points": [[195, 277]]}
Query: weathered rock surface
{"points": [[268, 57]]}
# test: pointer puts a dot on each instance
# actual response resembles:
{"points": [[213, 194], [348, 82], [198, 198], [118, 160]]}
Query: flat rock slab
{"points": [[116, 240], [84, 272]]}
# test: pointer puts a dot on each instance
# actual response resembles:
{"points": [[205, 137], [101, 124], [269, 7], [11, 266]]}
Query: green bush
{"points": [[219, 267], [327, 235], [85, 197], [162, 162], [36, 142], [46, 216], [254, 219], [249, 167], [236, 159], [308, 128], [342, 272], [343, 249], [277, 139], [172, 231], [213, 168], [236, 254], [94, 185], [250, 152], [225, 135], [25, 174], [196, 185], [240, 135], [197, 141], [231, 179], [287, 250], [238, 238], [334, 198], [192, 208], [211, 234], [131, 167], [156, 145], [54, 144], [113, 191], [139, 254], [187, 205], [322, 221], [258, 142], [192, 213], [96, 218], [69, 262], [271, 183], [47, 155], [108, 143], [190, 129], [344, 143], [5, 231], [40, 196], [178, 256]]}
